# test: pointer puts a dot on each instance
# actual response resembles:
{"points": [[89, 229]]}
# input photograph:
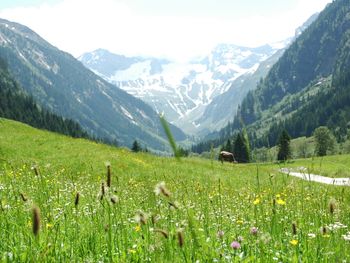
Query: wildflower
{"points": [[137, 228], [256, 201], [346, 237], [235, 245], [161, 189], [265, 238], [49, 225], [254, 231], [9, 256], [36, 220], [336, 226], [220, 234], [294, 242], [311, 235], [132, 251], [281, 202], [239, 222]]}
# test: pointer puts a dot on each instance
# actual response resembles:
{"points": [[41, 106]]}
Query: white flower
{"points": [[9, 256], [346, 237], [336, 226], [311, 235]]}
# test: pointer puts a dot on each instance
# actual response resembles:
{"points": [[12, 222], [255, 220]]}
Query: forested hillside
{"points": [[308, 87], [63, 85], [16, 105]]}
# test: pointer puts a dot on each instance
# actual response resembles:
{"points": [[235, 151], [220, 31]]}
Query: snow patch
{"points": [[126, 113]]}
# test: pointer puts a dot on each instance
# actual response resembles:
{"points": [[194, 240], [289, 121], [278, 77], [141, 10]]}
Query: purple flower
{"points": [[254, 231], [220, 234], [235, 245]]}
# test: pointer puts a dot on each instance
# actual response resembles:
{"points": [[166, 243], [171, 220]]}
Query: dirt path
{"points": [[317, 178]]}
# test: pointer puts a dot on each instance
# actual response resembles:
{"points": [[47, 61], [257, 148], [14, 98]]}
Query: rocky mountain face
{"points": [[308, 87], [181, 90], [62, 84], [224, 107]]}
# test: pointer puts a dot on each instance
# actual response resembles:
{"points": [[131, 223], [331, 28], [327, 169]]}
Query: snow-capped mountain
{"points": [[57, 81], [180, 90]]}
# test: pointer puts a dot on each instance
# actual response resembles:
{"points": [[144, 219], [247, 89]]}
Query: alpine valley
{"points": [[201, 95], [182, 90]]}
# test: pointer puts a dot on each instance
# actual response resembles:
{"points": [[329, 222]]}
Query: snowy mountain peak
{"points": [[180, 90]]}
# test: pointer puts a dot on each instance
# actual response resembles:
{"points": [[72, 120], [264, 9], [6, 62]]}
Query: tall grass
{"points": [[159, 209]]}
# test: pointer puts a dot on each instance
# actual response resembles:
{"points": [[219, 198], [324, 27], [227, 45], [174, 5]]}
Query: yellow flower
{"points": [[240, 222], [137, 228], [132, 251], [293, 242], [256, 201], [281, 202], [48, 225]]}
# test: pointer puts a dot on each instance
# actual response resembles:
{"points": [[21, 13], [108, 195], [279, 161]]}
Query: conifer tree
{"points": [[241, 150], [284, 151], [228, 146], [135, 146]]}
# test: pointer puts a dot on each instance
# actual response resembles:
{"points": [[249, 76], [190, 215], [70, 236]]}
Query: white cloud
{"points": [[78, 26]]}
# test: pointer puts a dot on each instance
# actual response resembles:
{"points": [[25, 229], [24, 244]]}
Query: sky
{"points": [[174, 29]]}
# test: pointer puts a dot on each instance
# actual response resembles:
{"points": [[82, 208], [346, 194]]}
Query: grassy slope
{"points": [[210, 197]]}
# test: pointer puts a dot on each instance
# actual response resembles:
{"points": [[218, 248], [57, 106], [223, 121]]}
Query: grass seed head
{"points": [[180, 237], [141, 217], [324, 230], [109, 175], [114, 199], [76, 201], [332, 206], [162, 232], [161, 189], [173, 205], [36, 220], [103, 191], [294, 228], [36, 170], [24, 198], [154, 219]]}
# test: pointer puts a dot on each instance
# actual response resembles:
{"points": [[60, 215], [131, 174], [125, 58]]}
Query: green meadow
{"points": [[73, 200]]}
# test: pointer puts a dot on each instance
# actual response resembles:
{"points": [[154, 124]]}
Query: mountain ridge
{"points": [[62, 84], [308, 87], [180, 90]]}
